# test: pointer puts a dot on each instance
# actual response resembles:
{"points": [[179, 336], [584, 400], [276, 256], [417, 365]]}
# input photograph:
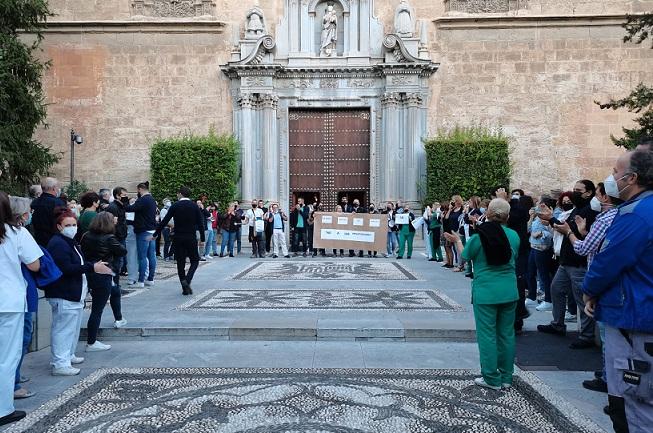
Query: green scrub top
{"points": [[85, 220], [492, 284]]}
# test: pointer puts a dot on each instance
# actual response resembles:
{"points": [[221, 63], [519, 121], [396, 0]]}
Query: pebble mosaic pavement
{"points": [[312, 270], [301, 401], [322, 299]]}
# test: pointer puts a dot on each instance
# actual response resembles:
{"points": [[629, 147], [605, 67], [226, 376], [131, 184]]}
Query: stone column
{"points": [[413, 141], [269, 136], [246, 135], [391, 138]]}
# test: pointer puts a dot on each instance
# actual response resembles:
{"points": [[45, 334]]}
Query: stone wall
{"points": [[121, 81]]}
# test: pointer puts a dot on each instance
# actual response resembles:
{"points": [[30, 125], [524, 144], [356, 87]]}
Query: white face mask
{"points": [[69, 232], [596, 204], [611, 187]]}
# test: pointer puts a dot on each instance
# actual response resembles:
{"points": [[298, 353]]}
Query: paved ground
{"points": [[402, 323]]}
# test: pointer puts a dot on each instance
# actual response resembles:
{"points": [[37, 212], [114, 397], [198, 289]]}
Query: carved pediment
{"points": [[263, 45], [173, 8]]}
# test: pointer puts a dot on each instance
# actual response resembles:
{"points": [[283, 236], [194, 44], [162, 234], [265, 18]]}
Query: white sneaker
{"points": [[208, 257], [570, 317], [65, 371], [119, 323], [506, 386], [530, 302], [97, 347], [76, 360], [136, 284], [544, 306], [149, 283], [481, 382]]}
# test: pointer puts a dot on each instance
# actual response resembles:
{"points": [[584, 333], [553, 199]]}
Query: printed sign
{"points": [[347, 235], [327, 219], [343, 221], [129, 216], [358, 221], [402, 218], [375, 223]]}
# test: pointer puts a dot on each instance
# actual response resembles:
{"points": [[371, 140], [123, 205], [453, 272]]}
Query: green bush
{"points": [[75, 189], [466, 161], [206, 164]]}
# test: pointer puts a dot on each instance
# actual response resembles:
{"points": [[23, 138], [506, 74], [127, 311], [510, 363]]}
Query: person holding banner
{"points": [[406, 231], [435, 232], [342, 252], [392, 230]]}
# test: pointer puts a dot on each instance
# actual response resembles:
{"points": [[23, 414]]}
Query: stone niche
{"points": [[386, 74]]}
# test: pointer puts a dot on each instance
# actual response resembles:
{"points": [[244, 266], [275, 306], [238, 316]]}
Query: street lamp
{"points": [[74, 138]]}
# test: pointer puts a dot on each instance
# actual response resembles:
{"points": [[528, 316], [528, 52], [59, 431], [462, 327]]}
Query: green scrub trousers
{"points": [[495, 333], [405, 235]]}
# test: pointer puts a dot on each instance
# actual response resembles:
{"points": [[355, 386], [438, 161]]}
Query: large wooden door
{"points": [[330, 154]]}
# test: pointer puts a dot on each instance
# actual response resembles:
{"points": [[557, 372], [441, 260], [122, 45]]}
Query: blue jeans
{"points": [[146, 256], [208, 244], [28, 328], [392, 243], [539, 267], [228, 238], [132, 254]]}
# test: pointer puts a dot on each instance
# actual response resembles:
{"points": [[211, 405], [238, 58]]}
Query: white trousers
{"points": [[279, 241], [66, 324], [11, 346]]}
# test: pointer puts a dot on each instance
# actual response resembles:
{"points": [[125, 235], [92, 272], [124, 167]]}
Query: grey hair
{"points": [[641, 164], [104, 191], [498, 210], [19, 205], [35, 191], [49, 184]]}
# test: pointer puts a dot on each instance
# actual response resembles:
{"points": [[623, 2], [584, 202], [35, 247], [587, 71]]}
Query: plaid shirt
{"points": [[590, 245]]}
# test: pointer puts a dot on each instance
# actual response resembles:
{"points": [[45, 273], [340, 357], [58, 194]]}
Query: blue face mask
{"points": [[482, 209], [29, 219]]}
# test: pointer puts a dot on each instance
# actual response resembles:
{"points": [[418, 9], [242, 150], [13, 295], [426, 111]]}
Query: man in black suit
{"points": [[188, 221]]}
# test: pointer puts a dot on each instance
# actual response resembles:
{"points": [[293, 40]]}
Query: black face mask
{"points": [[124, 200], [371, 207], [567, 206], [254, 205], [578, 200], [139, 195]]}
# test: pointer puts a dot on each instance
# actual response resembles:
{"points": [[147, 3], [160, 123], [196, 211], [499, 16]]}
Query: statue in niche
{"points": [[404, 20], [255, 24], [329, 32]]}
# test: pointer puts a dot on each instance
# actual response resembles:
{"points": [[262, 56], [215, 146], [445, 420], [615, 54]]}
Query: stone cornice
{"points": [[133, 26], [476, 21], [375, 71]]}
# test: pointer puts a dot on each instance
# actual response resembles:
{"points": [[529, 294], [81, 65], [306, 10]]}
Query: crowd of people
{"points": [[584, 255]]}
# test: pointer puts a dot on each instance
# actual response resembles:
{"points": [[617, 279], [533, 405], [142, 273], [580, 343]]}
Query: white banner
{"points": [[347, 235]]}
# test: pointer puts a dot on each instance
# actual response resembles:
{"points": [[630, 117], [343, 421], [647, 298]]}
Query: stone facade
{"points": [[127, 71]]}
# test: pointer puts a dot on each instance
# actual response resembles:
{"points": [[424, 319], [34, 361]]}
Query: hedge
{"points": [[206, 164], [467, 161]]}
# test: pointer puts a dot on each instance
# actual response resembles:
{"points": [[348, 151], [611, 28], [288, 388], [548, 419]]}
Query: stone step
{"points": [[244, 331]]}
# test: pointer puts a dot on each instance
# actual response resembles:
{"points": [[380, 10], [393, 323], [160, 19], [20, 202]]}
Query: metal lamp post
{"points": [[74, 139]]}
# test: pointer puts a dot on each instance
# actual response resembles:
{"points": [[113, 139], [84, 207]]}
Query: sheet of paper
{"points": [[375, 223], [129, 216], [402, 218], [418, 222], [359, 221], [327, 219], [343, 220]]}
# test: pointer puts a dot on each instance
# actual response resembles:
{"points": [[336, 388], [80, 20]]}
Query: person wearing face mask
{"points": [[117, 209], [572, 268], [144, 210], [373, 211], [66, 295], [435, 232], [406, 234], [43, 210], [392, 240], [17, 247], [90, 202], [617, 291], [254, 218]]}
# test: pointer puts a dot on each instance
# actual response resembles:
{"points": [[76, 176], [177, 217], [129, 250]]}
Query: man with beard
{"points": [[572, 269]]}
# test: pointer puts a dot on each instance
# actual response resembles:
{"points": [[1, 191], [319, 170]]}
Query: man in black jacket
{"points": [[117, 208], [43, 220], [299, 222], [188, 220], [145, 210]]}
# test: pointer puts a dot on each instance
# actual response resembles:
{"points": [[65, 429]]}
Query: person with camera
{"points": [[278, 219], [256, 225], [539, 258]]}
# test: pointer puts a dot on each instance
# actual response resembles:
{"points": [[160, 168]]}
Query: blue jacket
{"points": [[47, 274], [621, 275], [64, 253], [144, 213]]}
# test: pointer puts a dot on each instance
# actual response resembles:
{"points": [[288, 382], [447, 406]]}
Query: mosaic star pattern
{"points": [[325, 271], [252, 299], [298, 401]]}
